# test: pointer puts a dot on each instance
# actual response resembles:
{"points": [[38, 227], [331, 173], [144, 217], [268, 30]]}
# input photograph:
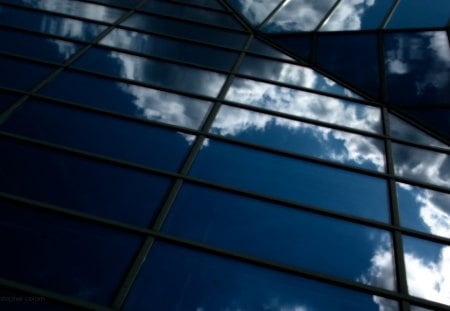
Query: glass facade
{"points": [[224, 155]]}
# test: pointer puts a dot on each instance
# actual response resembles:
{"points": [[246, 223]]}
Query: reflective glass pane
{"points": [[6, 100], [263, 48], [12, 300], [121, 139], [80, 184], [417, 67], [416, 308], [125, 3], [175, 278], [29, 45], [51, 24], [292, 179], [419, 13], [69, 257], [299, 15], [299, 137], [403, 130], [186, 30], [422, 165], [427, 269], [296, 238], [424, 210], [298, 43], [357, 15], [255, 11], [192, 13], [304, 104], [75, 8], [156, 72], [354, 59], [128, 99], [436, 119], [174, 49], [214, 4], [22, 74], [291, 74]]}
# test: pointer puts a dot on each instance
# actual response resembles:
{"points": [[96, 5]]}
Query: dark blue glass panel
{"points": [[436, 119], [357, 15], [301, 138], [6, 100], [192, 13], [298, 15], [299, 44], [422, 165], [39, 47], [305, 104], [63, 255], [18, 301], [351, 57], [75, 8], [296, 238], [125, 3], [291, 74], [51, 24], [291, 179], [80, 184], [427, 269], [263, 48], [417, 67], [180, 279], [254, 11], [420, 14], [424, 210], [128, 99], [186, 30], [214, 4], [21, 74], [159, 73], [174, 49], [121, 139]]}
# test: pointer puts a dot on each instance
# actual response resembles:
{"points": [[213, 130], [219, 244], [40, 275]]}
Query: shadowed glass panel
{"points": [[424, 209], [238, 223], [299, 137], [22, 74], [255, 11], [298, 43], [50, 24], [422, 165], [64, 255], [437, 119], [292, 179], [80, 184], [6, 100], [13, 300], [420, 14], [128, 99], [304, 104], [152, 71], [175, 278], [214, 4], [262, 48], [174, 49], [125, 3], [299, 15], [427, 269], [97, 133]]}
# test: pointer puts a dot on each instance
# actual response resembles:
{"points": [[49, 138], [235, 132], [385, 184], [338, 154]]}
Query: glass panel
{"points": [[63, 255], [74, 8], [121, 139], [178, 50], [21, 74], [299, 43], [407, 14], [427, 269], [422, 165], [403, 130], [263, 48], [156, 72], [436, 119], [291, 74], [180, 279], [208, 3], [424, 210], [299, 15], [125, 3], [51, 24], [294, 180], [81, 184], [128, 99], [417, 67], [186, 30], [299, 137], [6, 100], [357, 15], [416, 308], [12, 300], [304, 104], [192, 13], [47, 49], [237, 223], [255, 11], [354, 59]]}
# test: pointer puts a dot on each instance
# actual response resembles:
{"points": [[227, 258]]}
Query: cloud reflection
{"points": [[254, 10], [348, 15]]}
